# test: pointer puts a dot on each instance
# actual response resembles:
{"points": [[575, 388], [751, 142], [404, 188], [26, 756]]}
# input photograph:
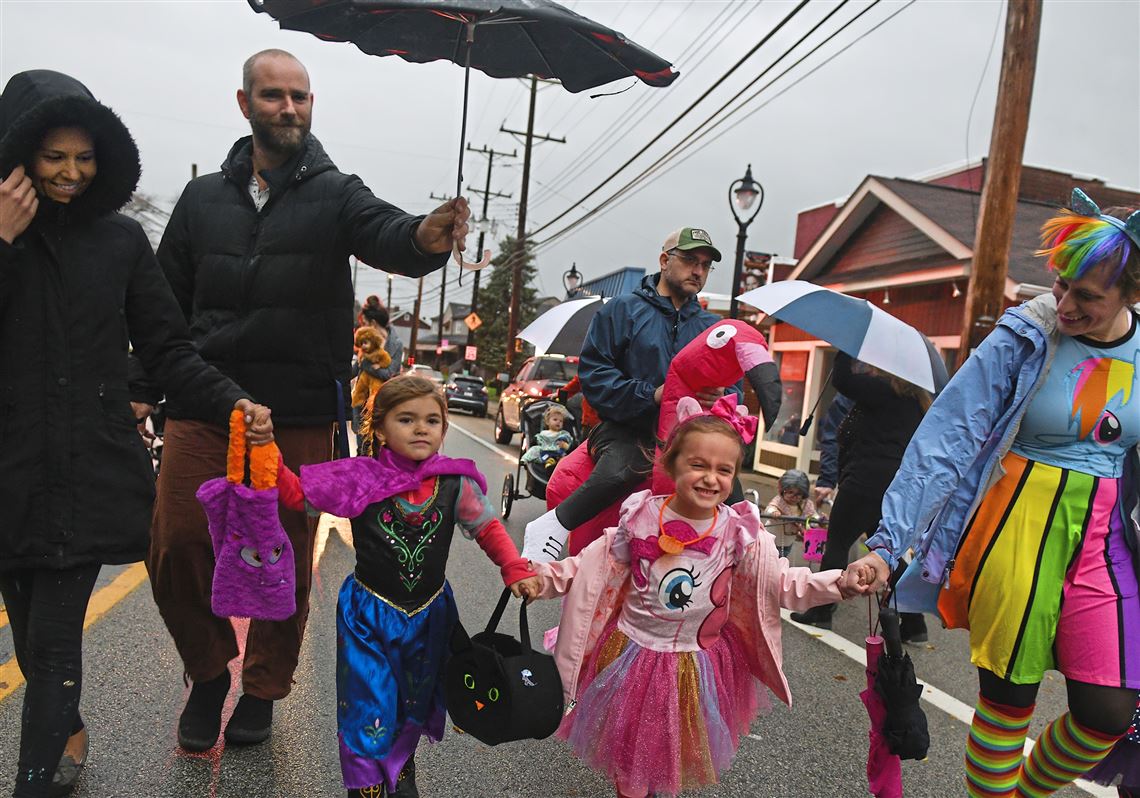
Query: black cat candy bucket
{"points": [[499, 689]]}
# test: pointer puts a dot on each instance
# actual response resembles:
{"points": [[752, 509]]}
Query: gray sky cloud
{"points": [[896, 103]]}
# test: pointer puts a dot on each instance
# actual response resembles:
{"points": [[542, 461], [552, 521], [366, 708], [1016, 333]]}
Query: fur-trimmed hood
{"points": [[35, 101]]}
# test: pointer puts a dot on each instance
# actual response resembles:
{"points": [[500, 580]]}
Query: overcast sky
{"points": [[897, 103]]}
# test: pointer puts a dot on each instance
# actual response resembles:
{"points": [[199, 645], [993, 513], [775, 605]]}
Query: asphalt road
{"points": [[133, 692]]}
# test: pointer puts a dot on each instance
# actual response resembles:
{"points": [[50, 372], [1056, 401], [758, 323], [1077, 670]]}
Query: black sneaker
{"points": [[817, 616], [251, 722], [406, 783], [202, 718]]}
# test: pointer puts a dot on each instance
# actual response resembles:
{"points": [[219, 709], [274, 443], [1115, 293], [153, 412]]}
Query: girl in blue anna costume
{"points": [[396, 612]]}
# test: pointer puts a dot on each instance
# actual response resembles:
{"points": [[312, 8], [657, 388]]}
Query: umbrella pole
{"points": [[811, 416], [485, 256]]}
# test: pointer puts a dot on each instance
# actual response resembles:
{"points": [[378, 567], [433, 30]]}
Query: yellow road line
{"points": [[101, 602]]}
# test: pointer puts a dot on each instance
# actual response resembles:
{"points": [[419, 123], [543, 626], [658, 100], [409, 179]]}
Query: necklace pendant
{"points": [[670, 544]]}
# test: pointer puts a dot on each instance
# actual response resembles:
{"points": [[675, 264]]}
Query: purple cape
{"points": [[346, 487]]}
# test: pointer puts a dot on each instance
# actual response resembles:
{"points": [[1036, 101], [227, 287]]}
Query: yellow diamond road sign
{"points": [[472, 321]]}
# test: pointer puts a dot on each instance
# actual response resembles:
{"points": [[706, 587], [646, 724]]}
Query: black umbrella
{"points": [[503, 38], [905, 727]]}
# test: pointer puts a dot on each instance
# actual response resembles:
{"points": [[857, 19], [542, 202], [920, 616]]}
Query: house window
{"points": [[793, 375]]}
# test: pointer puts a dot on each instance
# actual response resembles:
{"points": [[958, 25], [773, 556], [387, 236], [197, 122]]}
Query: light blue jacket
{"points": [[956, 452]]}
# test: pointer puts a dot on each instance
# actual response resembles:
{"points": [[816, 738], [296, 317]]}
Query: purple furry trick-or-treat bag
{"points": [[253, 559]]}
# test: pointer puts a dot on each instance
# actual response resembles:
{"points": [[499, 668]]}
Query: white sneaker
{"points": [[544, 538]]}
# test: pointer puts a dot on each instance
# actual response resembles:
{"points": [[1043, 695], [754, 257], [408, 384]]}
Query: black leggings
{"points": [[46, 609], [856, 512], [1107, 710]]}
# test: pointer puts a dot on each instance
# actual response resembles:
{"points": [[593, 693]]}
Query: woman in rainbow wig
{"points": [[1016, 494]]}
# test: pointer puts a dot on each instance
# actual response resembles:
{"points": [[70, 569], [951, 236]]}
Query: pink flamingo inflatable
{"points": [[717, 358]]}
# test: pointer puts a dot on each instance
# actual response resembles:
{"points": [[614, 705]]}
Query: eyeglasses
{"points": [[692, 260]]}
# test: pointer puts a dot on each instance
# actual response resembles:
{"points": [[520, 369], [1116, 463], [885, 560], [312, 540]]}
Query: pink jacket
{"points": [[594, 585]]}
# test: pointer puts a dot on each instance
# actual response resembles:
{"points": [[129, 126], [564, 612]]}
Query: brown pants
{"points": [[181, 559]]}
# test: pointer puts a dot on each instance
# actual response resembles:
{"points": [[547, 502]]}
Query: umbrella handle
{"points": [[473, 266]]}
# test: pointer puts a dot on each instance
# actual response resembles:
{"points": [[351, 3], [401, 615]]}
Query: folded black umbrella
{"points": [[905, 728]]}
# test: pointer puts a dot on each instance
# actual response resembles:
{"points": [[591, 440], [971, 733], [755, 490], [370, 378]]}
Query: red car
{"points": [[539, 377]]}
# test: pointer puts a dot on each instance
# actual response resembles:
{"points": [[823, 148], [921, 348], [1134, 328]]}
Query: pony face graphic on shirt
{"points": [[1101, 387], [685, 594]]}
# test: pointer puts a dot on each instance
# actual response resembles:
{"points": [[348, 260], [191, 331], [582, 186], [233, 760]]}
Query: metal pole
{"points": [[738, 268], [516, 270]]}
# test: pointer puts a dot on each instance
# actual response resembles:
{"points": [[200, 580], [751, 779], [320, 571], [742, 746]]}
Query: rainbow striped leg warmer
{"points": [[1064, 753], [993, 749]]}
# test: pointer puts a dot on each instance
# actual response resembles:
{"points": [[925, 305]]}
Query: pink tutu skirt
{"points": [[663, 722]]}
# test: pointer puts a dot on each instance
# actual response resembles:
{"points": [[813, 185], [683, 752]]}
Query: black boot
{"points": [[202, 718], [817, 616], [912, 627], [406, 783], [251, 721]]}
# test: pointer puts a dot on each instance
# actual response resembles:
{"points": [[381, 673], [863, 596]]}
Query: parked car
{"points": [[539, 377], [420, 370], [465, 392]]}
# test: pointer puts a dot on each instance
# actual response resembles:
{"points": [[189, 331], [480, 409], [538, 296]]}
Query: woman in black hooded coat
{"points": [[79, 286]]}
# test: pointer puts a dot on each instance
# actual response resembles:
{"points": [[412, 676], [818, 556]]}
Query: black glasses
{"points": [[692, 260]]}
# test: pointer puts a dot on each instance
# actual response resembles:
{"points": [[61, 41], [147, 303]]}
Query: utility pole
{"points": [[520, 242], [487, 194], [442, 296], [984, 296], [389, 305], [416, 322]]}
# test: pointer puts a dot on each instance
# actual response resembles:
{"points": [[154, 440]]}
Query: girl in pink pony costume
{"points": [[664, 673]]}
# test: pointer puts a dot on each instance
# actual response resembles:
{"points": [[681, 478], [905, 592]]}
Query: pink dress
{"points": [[672, 681]]}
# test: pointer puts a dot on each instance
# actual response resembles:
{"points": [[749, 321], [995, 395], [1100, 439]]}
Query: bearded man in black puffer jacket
{"points": [[257, 255]]}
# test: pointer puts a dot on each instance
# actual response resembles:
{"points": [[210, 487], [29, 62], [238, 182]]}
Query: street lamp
{"points": [[571, 279], [742, 194]]}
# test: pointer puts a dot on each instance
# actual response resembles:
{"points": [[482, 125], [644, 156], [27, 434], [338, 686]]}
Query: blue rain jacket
{"points": [[628, 349], [956, 452]]}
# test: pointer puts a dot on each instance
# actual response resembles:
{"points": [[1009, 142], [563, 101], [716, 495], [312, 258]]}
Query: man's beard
{"points": [[279, 140]]}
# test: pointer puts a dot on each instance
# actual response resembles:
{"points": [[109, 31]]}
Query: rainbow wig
{"points": [[1075, 243]]}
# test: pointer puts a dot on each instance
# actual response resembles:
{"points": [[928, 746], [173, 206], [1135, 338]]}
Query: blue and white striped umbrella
{"points": [[855, 326]]}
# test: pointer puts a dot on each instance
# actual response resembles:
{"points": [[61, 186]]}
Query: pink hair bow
{"points": [[724, 408]]}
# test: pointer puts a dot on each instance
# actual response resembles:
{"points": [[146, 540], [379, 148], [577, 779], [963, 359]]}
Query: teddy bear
{"points": [[370, 343]]}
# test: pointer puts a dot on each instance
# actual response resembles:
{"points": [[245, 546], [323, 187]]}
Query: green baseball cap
{"points": [[690, 238]]}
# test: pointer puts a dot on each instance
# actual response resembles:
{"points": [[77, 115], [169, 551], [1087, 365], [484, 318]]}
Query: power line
{"points": [[707, 120], [626, 121], [682, 115], [645, 179]]}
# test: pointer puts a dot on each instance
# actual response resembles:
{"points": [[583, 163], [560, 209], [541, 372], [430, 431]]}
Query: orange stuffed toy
{"points": [[370, 344]]}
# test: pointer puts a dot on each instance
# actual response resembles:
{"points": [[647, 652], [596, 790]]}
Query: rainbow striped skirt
{"points": [[1044, 579]]}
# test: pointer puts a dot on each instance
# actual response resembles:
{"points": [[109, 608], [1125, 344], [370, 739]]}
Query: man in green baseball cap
{"points": [[687, 258], [625, 357]]}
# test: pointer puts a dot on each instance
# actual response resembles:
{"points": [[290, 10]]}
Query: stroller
{"points": [[537, 471], [813, 539]]}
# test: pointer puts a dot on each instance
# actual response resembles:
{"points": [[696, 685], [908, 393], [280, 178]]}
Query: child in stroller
{"points": [[552, 432]]}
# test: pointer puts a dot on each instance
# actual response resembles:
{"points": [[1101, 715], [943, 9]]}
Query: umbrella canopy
{"points": [[562, 329], [503, 38], [511, 38], [855, 326]]}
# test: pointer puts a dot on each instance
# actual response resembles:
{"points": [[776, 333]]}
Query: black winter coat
{"points": [[269, 294], [76, 287], [876, 430]]}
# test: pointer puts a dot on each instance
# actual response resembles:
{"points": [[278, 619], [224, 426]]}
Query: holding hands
{"points": [[875, 565], [528, 588], [857, 580], [258, 422]]}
